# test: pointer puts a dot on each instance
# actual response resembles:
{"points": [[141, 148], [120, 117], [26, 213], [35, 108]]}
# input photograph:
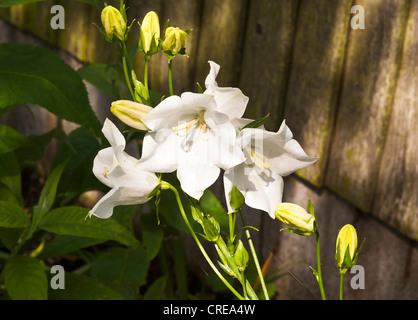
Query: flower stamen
{"points": [[257, 158], [184, 129]]}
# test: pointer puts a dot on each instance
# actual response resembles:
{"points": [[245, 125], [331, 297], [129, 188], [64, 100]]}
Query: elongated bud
{"points": [[346, 246], [241, 256], [296, 217], [175, 40], [236, 199], [114, 23], [211, 228], [131, 113], [150, 33]]}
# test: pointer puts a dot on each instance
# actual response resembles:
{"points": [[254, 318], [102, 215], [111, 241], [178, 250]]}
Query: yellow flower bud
{"points": [[150, 28], [131, 113], [175, 40], [295, 216], [113, 22], [346, 246]]}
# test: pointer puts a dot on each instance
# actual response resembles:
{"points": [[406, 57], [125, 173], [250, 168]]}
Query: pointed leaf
{"points": [[121, 269], [73, 221], [25, 279], [12, 215], [10, 139], [80, 287], [36, 75]]}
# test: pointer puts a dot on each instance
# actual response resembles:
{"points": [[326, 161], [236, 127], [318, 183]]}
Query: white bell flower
{"points": [[129, 183], [230, 101], [189, 135], [269, 157]]}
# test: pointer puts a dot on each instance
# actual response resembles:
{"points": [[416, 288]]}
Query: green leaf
{"points": [[10, 175], [63, 245], [156, 290], [73, 221], [211, 204], [152, 241], [79, 287], [25, 279], [257, 123], [47, 197], [121, 269], [81, 148], [10, 139], [34, 149], [103, 76], [12, 215], [36, 75]]}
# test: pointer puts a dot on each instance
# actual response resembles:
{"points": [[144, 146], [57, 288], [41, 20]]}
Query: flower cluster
{"points": [[198, 135]]}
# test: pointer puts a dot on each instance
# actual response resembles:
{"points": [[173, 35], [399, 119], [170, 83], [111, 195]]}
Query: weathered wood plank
{"points": [[316, 68], [396, 199], [371, 70], [184, 14], [266, 55], [220, 39]]}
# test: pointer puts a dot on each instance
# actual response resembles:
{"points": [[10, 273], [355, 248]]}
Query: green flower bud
{"points": [[211, 228], [131, 113], [346, 246], [241, 256], [114, 23], [296, 217], [150, 33], [236, 198], [175, 40]]}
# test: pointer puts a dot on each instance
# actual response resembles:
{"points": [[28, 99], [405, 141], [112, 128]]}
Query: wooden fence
{"points": [[350, 96]]}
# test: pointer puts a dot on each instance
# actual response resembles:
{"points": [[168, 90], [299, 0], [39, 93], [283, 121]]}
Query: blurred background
{"points": [[350, 97]]}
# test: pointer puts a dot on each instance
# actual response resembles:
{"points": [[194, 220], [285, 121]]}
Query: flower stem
{"points": [[318, 262], [341, 285], [125, 68], [183, 213], [147, 58], [170, 76], [224, 249], [256, 262], [232, 218]]}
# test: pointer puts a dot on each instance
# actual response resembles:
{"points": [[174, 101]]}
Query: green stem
{"points": [[224, 249], [341, 285], [166, 185], [125, 69], [254, 254], [244, 286], [170, 76], [318, 262], [147, 58], [232, 218]]}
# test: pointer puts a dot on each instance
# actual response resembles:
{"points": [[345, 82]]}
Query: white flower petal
{"points": [[113, 135], [195, 179], [230, 101], [262, 191], [103, 164], [160, 151]]}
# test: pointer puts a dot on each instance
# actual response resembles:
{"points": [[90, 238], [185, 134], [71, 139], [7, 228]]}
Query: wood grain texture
{"points": [[184, 14], [371, 71], [266, 55], [396, 199], [220, 39], [316, 68]]}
